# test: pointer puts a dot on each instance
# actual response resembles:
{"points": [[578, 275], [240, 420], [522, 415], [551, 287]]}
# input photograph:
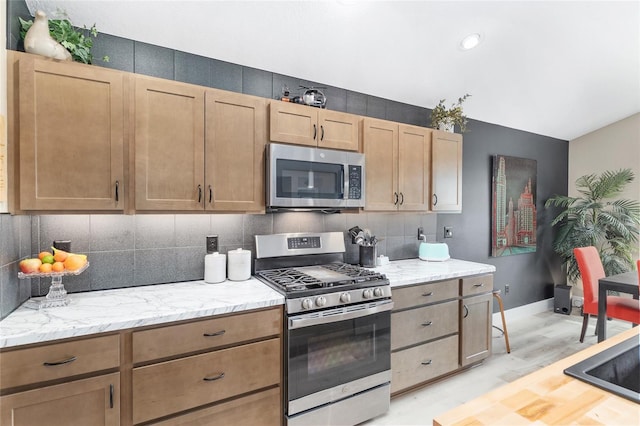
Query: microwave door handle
{"points": [[345, 182]]}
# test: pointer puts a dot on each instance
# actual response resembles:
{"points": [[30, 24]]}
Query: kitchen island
{"points": [[549, 397]]}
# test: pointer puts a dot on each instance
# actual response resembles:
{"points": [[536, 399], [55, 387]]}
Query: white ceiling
{"points": [[556, 68]]}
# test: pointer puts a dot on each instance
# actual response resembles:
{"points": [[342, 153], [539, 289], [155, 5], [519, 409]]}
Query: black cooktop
{"points": [[321, 278]]}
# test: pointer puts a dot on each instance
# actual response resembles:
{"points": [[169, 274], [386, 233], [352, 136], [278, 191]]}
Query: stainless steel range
{"points": [[337, 340]]}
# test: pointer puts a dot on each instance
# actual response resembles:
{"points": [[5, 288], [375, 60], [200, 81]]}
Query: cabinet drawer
{"points": [[206, 334], [425, 362], [422, 294], [422, 324], [476, 285], [173, 386], [262, 408], [58, 360]]}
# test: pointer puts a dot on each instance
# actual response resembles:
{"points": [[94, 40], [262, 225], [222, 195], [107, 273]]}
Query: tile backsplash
{"points": [[132, 250]]}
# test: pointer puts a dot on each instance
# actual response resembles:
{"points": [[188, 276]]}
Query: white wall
{"points": [[614, 147]]}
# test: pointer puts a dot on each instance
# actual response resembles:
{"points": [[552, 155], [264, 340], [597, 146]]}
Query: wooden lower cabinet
{"points": [[423, 324], [262, 408], [174, 386], [94, 401], [422, 363], [475, 328]]}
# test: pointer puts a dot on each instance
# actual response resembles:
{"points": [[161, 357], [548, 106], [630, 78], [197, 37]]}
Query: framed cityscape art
{"points": [[513, 206]]}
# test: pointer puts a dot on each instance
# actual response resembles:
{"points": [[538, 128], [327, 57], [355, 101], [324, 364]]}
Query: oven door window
{"points": [[327, 355], [308, 179]]}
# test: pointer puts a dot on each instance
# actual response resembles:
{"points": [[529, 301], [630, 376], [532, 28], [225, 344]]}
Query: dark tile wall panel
{"points": [[153, 60], [118, 49], [257, 82], [226, 76], [192, 69], [15, 245], [356, 103], [376, 107]]}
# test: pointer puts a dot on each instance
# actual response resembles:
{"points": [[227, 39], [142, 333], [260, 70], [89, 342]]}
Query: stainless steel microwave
{"points": [[300, 177]]}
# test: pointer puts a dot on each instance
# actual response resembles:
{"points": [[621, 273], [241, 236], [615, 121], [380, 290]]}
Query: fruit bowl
{"points": [[57, 295]]}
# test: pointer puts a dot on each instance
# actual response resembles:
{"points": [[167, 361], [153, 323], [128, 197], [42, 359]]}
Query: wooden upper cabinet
{"points": [[398, 159], [305, 125], [236, 135], [169, 145], [71, 150], [414, 158], [380, 145], [446, 172]]}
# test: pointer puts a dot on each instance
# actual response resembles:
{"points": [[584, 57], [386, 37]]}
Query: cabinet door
{"points": [[293, 123], [71, 137], [380, 145], [446, 172], [475, 328], [169, 145], [414, 158], [94, 401], [235, 139], [338, 130]]}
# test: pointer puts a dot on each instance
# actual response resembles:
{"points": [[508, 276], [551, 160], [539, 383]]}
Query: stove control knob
{"points": [[345, 298], [321, 301], [307, 304], [377, 292], [367, 294]]}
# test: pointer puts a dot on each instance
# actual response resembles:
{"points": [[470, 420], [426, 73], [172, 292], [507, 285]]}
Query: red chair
{"points": [[591, 271]]}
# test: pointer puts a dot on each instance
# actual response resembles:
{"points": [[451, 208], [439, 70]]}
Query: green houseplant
{"points": [[597, 219], [78, 41], [444, 118]]}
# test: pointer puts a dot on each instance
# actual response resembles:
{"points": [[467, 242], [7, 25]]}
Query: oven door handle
{"points": [[308, 321]]}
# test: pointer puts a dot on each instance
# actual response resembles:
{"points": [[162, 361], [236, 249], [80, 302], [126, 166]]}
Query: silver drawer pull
{"points": [[428, 362], [479, 285], [64, 361], [428, 294], [217, 333], [427, 324], [214, 378]]}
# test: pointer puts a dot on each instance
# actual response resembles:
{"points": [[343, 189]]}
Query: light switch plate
{"points": [[448, 231]]}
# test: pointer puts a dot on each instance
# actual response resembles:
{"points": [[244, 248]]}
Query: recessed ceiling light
{"points": [[470, 41]]}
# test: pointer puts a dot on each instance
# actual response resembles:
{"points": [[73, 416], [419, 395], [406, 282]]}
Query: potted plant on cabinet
{"points": [[597, 219], [444, 118]]}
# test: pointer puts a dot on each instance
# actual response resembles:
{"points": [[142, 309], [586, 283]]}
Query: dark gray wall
{"points": [[136, 256]]}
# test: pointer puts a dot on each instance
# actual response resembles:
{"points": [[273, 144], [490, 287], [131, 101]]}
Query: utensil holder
{"points": [[368, 256]]}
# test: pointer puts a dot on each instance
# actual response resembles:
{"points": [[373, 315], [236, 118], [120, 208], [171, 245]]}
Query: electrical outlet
{"points": [[212, 243], [420, 232], [448, 231], [506, 289]]}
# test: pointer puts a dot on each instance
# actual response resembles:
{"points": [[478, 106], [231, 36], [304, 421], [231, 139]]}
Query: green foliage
{"points": [[596, 219], [78, 41], [440, 114]]}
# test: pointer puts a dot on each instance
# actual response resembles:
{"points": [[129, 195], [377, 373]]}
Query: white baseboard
{"points": [[524, 311]]}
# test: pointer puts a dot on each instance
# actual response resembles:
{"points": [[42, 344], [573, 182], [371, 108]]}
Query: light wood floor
{"points": [[536, 342]]}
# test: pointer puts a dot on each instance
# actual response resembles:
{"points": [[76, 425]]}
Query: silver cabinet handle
{"points": [[315, 132], [427, 362], [217, 333], [210, 194], [110, 396], [428, 294], [479, 285], [321, 133], [64, 361], [427, 324], [396, 201], [199, 193], [435, 200], [214, 378], [466, 311], [117, 191], [401, 198]]}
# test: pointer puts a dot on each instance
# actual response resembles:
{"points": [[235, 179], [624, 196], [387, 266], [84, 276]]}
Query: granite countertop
{"points": [[111, 310], [415, 271]]}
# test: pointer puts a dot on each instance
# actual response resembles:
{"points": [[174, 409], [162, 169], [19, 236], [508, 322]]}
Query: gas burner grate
{"points": [[352, 270]]}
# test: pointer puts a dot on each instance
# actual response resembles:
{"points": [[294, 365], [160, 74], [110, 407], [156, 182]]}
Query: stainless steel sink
{"points": [[616, 370]]}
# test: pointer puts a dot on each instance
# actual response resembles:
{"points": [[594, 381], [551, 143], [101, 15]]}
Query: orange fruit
{"points": [[45, 267], [57, 267], [74, 262], [60, 255], [43, 254]]}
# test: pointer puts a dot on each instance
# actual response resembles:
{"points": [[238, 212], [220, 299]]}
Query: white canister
{"points": [[239, 264], [215, 268]]}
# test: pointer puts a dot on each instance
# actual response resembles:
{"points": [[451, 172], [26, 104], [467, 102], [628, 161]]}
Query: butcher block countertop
{"points": [[549, 397]]}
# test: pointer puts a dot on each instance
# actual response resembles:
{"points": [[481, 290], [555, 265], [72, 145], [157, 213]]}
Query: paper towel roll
{"points": [[239, 264], [215, 268]]}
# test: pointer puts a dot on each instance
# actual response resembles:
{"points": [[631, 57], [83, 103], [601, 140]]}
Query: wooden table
{"points": [[549, 397], [624, 283]]}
